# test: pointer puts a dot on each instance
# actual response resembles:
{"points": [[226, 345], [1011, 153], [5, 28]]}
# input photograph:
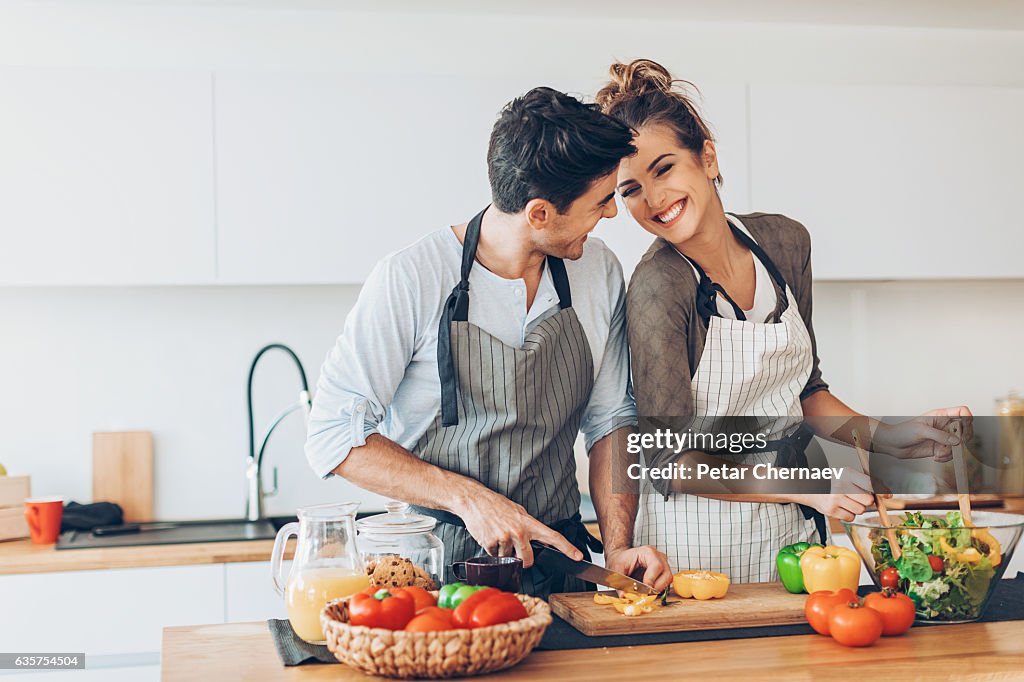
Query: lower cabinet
{"points": [[250, 594], [104, 612]]}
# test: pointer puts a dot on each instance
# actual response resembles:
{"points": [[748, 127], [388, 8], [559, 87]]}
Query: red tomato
{"points": [[391, 613], [935, 562], [890, 578], [855, 625], [896, 609], [430, 619], [420, 597], [818, 605], [464, 611], [501, 608]]}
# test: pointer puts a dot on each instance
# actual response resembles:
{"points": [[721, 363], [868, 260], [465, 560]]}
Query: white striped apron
{"points": [[753, 369]]}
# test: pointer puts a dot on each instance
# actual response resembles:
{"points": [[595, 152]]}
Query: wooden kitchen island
{"points": [[245, 651]]}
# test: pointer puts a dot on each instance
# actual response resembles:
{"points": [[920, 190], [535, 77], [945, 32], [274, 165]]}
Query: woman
{"points": [[719, 313]]}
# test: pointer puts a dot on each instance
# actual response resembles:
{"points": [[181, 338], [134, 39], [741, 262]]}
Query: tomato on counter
{"points": [[896, 609], [820, 604], [854, 625]]}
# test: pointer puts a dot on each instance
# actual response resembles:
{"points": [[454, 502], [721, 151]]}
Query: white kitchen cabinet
{"points": [[106, 177], [250, 594], [894, 182], [112, 611], [319, 175]]}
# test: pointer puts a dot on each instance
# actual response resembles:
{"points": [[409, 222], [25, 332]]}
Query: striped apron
{"points": [[750, 369], [509, 417]]}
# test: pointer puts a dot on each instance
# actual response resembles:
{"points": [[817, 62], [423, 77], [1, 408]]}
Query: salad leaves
{"points": [[957, 591]]}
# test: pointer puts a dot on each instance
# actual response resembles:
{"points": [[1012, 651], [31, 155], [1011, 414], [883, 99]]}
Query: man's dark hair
{"points": [[549, 145]]}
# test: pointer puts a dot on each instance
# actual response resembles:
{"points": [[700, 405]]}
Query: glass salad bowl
{"points": [[949, 570]]}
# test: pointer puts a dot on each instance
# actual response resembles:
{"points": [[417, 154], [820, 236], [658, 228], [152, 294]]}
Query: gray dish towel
{"points": [[292, 649]]}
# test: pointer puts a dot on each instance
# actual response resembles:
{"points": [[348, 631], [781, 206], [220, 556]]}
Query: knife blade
{"points": [[548, 557]]}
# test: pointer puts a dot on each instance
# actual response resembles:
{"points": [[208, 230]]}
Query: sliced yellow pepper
{"points": [[606, 599], [700, 584], [995, 550], [971, 555], [830, 568]]}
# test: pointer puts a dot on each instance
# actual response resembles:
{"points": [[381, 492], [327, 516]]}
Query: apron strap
{"points": [[707, 291], [456, 309], [792, 453]]}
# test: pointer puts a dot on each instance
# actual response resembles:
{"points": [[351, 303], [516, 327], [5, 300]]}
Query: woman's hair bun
{"points": [[639, 77]]}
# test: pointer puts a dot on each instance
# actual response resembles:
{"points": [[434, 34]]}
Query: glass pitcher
{"points": [[326, 566]]}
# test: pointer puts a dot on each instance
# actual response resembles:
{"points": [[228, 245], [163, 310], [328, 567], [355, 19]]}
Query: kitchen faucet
{"points": [[254, 481]]}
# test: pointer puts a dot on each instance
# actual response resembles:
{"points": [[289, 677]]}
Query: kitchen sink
{"points": [[181, 532]]}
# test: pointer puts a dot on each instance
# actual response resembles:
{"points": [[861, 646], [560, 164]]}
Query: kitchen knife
{"points": [[550, 558]]}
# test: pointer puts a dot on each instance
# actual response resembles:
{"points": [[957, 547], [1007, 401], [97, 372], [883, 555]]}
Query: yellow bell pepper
{"points": [[700, 584], [830, 568], [629, 604]]}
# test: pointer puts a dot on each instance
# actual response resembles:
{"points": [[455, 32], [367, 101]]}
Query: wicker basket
{"points": [[444, 653]]}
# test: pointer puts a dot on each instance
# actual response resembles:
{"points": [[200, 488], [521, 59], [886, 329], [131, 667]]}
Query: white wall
{"points": [[174, 359]]}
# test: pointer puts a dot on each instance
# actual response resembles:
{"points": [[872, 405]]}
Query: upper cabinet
{"points": [[894, 182], [106, 177], [320, 175]]}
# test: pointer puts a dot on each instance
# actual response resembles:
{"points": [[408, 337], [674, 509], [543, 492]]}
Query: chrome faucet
{"points": [[254, 481]]}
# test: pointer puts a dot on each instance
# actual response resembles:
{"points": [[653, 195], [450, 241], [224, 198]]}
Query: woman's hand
{"points": [[924, 436], [633, 560], [851, 496]]}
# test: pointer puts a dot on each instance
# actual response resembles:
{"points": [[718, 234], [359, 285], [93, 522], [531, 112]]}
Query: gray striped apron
{"points": [[509, 417], [746, 369]]}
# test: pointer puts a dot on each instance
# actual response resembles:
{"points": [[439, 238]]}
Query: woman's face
{"points": [[665, 187]]}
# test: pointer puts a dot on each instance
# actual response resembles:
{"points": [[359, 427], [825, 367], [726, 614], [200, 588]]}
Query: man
{"points": [[474, 356]]}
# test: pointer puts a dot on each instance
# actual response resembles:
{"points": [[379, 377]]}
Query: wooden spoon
{"points": [[963, 493], [883, 513]]}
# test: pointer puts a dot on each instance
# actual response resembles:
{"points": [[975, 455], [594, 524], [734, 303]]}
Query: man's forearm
{"points": [[386, 468], [614, 493]]}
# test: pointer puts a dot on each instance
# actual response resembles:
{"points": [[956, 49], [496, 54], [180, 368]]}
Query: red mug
{"points": [[43, 516]]}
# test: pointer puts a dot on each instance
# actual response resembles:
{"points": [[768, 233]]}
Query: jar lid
{"points": [[396, 520]]}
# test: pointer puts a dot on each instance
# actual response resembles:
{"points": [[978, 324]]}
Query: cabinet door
{"points": [[894, 182], [111, 611], [320, 175], [106, 177], [250, 592]]}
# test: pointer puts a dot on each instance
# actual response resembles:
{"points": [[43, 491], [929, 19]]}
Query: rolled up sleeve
{"points": [[611, 405], [363, 369]]}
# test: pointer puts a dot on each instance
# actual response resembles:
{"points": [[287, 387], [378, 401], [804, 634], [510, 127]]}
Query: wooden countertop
{"points": [[245, 651], [21, 556]]}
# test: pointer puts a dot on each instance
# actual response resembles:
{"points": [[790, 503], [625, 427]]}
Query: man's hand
{"points": [[633, 560], [504, 528], [924, 436]]}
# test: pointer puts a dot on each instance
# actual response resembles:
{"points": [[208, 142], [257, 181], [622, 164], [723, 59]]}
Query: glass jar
{"points": [[1010, 410], [400, 534]]}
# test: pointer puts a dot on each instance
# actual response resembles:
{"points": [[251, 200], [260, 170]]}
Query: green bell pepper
{"points": [[788, 563], [450, 596]]}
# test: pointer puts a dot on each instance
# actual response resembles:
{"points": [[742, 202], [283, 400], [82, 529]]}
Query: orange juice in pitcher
{"points": [[309, 590], [326, 566]]}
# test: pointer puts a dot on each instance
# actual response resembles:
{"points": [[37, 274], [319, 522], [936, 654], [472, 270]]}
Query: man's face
{"points": [[568, 231]]}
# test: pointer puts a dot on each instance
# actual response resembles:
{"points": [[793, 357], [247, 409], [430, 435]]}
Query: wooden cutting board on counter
{"points": [[745, 605], [122, 472]]}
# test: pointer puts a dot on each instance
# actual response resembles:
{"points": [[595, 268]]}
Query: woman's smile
{"points": [[673, 213]]}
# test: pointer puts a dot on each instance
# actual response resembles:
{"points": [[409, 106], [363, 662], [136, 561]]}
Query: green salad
{"points": [[945, 567]]}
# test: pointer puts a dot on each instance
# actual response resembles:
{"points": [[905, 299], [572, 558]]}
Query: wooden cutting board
{"points": [[122, 472], [745, 605]]}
